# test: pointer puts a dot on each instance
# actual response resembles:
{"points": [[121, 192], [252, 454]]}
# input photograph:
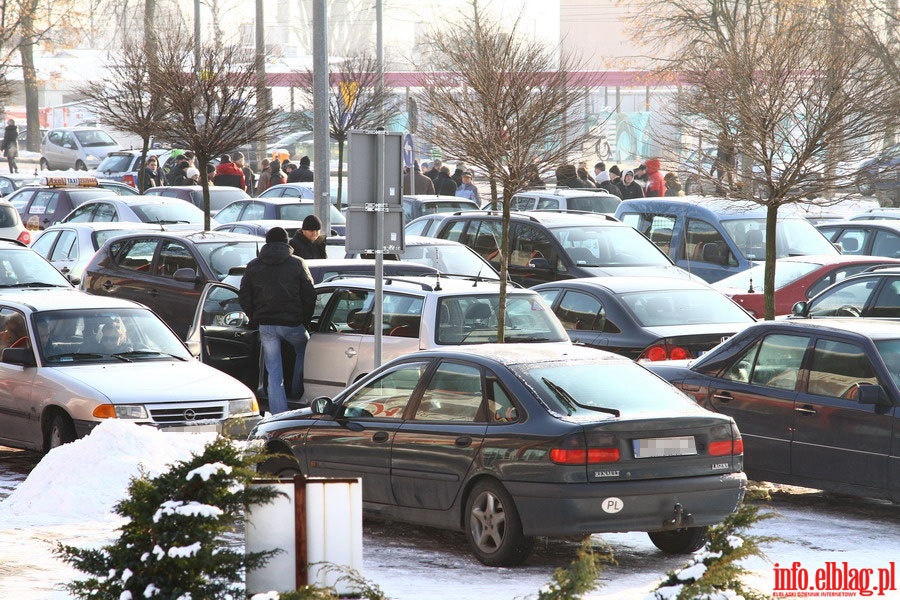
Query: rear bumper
{"points": [[577, 509]]}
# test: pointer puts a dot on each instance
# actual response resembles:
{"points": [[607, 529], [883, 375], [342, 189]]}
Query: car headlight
{"points": [[91, 157], [243, 406], [120, 411]]}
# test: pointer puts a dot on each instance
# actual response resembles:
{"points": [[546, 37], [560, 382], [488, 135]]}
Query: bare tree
{"points": [[505, 104], [210, 107], [355, 101], [790, 86]]}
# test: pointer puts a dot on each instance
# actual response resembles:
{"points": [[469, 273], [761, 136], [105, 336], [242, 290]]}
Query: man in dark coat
{"points": [[630, 188], [567, 176], [301, 173], [435, 170], [308, 242], [444, 185], [277, 295], [11, 145], [423, 185]]}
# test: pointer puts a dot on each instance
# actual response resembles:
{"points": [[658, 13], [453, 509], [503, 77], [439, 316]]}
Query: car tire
{"points": [[680, 541], [280, 465], [45, 166], [493, 527], [80, 166], [60, 430]]}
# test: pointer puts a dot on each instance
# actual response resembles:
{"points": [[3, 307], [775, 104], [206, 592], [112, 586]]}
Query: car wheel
{"points": [[493, 527], [45, 166], [280, 465], [60, 430], [680, 541], [80, 166]]}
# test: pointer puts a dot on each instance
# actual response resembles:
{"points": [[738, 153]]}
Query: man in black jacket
{"points": [[301, 173], [277, 294], [308, 242]]}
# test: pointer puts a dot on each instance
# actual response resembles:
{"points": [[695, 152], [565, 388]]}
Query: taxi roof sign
{"points": [[70, 181]]}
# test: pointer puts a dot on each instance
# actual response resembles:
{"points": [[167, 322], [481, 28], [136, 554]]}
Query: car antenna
{"points": [[751, 290], [437, 282]]}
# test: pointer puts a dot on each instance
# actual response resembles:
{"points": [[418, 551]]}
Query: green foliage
{"points": [[171, 545], [362, 586], [720, 559], [579, 578]]}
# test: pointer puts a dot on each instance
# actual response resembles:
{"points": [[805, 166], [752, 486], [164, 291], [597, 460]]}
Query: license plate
{"points": [[669, 446], [205, 428]]}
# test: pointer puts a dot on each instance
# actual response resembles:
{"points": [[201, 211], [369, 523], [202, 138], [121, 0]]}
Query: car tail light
{"points": [[25, 237], [664, 352], [733, 444], [129, 179], [573, 451]]}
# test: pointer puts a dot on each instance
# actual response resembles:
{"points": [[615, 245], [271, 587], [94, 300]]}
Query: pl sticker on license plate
{"points": [[669, 446]]}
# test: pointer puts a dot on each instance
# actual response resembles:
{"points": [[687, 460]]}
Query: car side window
{"points": [[387, 396], [484, 238], [82, 214], [581, 311], [837, 369], [136, 255], [548, 204], [833, 277], [44, 243], [500, 407], [67, 246], [886, 244], [105, 212], [222, 309], [853, 241], [13, 331], [253, 211], [454, 393], [42, 201], [778, 361], [529, 243], [887, 304], [401, 315], [659, 229], [845, 300], [173, 256], [704, 243], [520, 203], [229, 213], [350, 312]]}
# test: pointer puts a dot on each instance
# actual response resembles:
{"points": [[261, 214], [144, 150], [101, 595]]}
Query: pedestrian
{"points": [[435, 170], [656, 185], [458, 174], [11, 145], [276, 175], [191, 176], [229, 174], [467, 189], [211, 173], [567, 176], [153, 175], [249, 175], [177, 174], [302, 173], [288, 167], [630, 188], [724, 164], [423, 185], [277, 295], [443, 185], [308, 242], [640, 175], [673, 185], [262, 182], [615, 176], [602, 176], [533, 177], [586, 177]]}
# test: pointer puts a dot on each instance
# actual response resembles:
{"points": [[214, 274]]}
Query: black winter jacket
{"points": [[306, 249], [277, 288]]}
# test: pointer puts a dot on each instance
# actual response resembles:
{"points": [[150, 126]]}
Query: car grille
{"points": [[186, 414]]}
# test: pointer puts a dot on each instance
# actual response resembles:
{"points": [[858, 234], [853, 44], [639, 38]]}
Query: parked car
{"points": [[567, 199], [11, 227], [864, 237], [83, 354], [717, 237], [816, 401], [506, 445], [79, 148], [418, 313], [872, 294], [880, 175], [418, 205], [426, 225], [70, 246], [289, 190], [41, 206], [451, 258], [877, 214], [120, 188], [219, 196], [796, 278], [170, 213], [644, 318], [166, 270], [548, 246], [326, 269], [260, 227], [10, 182], [22, 267], [291, 208], [125, 165]]}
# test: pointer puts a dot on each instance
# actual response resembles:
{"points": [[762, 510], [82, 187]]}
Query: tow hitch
{"points": [[679, 519]]}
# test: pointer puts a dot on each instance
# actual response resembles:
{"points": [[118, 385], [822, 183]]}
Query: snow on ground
{"points": [[69, 496]]}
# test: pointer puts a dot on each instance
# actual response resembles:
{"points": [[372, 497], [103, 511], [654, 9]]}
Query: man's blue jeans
{"points": [[271, 336]]}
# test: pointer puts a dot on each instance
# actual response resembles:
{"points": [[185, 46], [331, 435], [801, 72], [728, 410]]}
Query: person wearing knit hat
{"points": [[278, 297], [308, 242]]}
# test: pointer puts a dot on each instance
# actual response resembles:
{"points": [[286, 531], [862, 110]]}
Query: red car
{"points": [[796, 278]]}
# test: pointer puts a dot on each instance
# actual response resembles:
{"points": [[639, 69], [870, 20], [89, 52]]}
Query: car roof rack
{"points": [[573, 211], [881, 267]]}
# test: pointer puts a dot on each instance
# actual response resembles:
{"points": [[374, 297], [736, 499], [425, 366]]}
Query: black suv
{"points": [[549, 246]]}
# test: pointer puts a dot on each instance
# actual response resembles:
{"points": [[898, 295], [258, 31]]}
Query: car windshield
{"points": [[785, 273], [26, 268], [164, 214], [473, 320], [621, 386], [222, 256], [794, 237], [609, 247], [76, 336], [115, 163], [890, 354], [298, 212], [450, 259], [594, 203], [683, 307], [94, 138]]}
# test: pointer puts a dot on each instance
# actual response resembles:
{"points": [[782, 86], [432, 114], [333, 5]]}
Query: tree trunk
{"points": [[769, 273], [29, 80], [504, 260]]}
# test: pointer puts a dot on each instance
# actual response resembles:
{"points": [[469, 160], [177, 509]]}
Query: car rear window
{"points": [[473, 320], [115, 163], [9, 216]]}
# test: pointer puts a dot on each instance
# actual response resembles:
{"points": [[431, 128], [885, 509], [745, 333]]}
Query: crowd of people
{"points": [[232, 170], [645, 180]]}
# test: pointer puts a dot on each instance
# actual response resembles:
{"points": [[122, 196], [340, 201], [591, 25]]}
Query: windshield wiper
{"points": [[572, 402], [31, 284], [525, 338], [75, 356], [137, 353]]}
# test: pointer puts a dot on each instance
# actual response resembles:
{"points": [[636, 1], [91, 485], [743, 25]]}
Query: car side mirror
{"points": [[236, 319], [539, 263], [18, 356], [322, 406], [185, 274], [869, 393], [799, 309]]}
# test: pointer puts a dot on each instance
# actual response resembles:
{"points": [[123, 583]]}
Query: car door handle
{"points": [[723, 396], [107, 285], [241, 334], [153, 292], [350, 352], [806, 409], [463, 442], [380, 436]]}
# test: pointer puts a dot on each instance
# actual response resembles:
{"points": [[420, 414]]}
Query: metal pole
{"points": [[196, 36], [321, 137], [379, 59], [379, 243], [262, 94]]}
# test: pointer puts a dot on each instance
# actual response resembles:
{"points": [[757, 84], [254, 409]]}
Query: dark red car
{"points": [[796, 278]]}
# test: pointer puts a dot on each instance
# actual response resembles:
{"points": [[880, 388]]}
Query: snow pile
{"points": [[83, 481]]}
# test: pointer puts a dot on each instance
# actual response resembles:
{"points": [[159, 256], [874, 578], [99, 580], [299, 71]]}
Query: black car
{"points": [[10, 182], [167, 271], [508, 442], [817, 401], [644, 318], [866, 238], [880, 175], [874, 293]]}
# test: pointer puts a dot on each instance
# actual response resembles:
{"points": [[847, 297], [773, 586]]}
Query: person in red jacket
{"points": [[228, 173], [656, 185]]}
